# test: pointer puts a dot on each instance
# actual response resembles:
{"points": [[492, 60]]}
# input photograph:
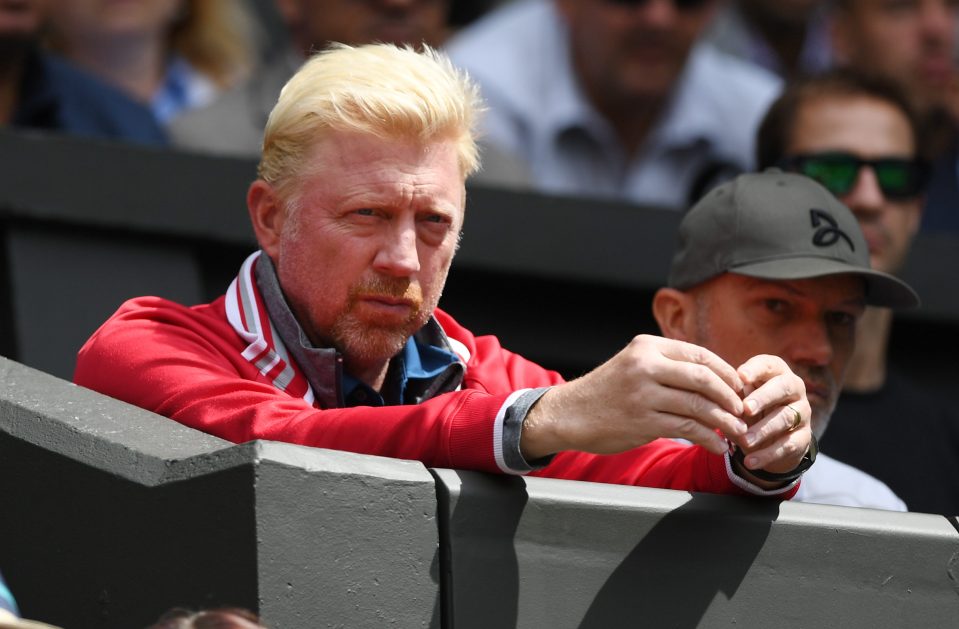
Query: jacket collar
{"points": [[258, 311]]}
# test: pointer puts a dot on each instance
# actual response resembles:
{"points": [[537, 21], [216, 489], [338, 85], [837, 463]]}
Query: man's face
{"points": [[364, 259], [631, 53], [911, 42], [808, 323], [868, 129], [356, 22]]}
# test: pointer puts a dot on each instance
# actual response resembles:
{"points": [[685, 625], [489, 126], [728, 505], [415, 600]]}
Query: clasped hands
{"points": [[658, 387]]}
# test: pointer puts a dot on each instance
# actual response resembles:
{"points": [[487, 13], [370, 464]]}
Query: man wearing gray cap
{"points": [[773, 263]]}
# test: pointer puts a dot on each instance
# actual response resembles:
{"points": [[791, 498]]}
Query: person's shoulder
{"points": [[233, 123], [451, 326], [226, 126], [725, 99], [730, 79], [478, 348], [504, 41], [160, 309], [90, 106], [500, 24]]}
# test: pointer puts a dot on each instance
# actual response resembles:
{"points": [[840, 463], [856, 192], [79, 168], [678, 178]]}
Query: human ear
{"points": [[267, 215], [675, 313]]}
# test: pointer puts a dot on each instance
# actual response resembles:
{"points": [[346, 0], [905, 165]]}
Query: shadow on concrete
{"points": [[483, 518], [654, 585]]}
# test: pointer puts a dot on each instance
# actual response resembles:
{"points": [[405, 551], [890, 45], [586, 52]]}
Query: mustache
{"points": [[392, 287]]}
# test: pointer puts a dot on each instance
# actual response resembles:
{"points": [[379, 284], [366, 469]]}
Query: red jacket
{"points": [[188, 364]]}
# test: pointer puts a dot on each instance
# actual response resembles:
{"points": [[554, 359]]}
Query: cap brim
{"points": [[882, 289]]}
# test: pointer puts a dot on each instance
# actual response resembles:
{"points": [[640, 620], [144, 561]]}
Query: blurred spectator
{"points": [[40, 91], [857, 136], [10, 615], [610, 98], [914, 44], [173, 55], [787, 37], [220, 618], [234, 124]]}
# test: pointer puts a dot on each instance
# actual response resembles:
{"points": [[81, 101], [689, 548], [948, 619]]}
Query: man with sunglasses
{"points": [[913, 44], [614, 98], [857, 136]]}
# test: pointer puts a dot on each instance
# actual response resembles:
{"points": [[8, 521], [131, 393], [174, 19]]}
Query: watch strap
{"points": [[782, 477]]}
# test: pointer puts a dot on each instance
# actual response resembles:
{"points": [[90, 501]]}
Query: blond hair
{"points": [[380, 90]]}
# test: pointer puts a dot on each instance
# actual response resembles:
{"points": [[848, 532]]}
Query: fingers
{"points": [[700, 410], [695, 432], [695, 355], [776, 440], [696, 369], [783, 454], [771, 384]]}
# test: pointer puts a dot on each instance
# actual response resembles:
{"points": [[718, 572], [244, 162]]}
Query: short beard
{"points": [[366, 342]]}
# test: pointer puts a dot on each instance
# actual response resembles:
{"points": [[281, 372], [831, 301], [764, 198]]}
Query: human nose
{"points": [[398, 255], [812, 344], [865, 199]]}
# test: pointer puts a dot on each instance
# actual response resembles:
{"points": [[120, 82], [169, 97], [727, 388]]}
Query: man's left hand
{"points": [[776, 441]]}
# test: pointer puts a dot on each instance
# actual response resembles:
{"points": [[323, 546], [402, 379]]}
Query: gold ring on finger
{"points": [[797, 419]]}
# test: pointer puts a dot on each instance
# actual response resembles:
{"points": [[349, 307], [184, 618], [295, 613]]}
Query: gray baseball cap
{"points": [[778, 226]]}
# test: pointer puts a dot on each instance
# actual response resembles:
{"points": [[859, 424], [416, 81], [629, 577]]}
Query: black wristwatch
{"points": [[784, 477]]}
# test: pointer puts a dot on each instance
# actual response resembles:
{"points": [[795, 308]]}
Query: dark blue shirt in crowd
{"points": [[941, 212], [55, 96]]}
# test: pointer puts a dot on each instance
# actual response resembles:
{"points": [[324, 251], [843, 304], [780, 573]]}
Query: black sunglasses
{"points": [[682, 5], [899, 179]]}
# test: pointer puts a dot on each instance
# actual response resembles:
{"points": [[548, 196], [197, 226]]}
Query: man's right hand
{"points": [[655, 387]]}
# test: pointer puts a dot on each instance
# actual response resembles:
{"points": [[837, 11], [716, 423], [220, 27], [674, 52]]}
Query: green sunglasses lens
{"points": [[895, 178], [836, 175]]}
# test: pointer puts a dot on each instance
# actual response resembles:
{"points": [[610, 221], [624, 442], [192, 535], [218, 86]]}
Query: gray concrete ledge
{"points": [[555, 554], [113, 514]]}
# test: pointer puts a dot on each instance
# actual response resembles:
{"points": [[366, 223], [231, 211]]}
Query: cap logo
{"points": [[829, 233]]}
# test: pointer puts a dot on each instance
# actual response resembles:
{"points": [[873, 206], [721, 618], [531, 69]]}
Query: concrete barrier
{"points": [[112, 514], [540, 553]]}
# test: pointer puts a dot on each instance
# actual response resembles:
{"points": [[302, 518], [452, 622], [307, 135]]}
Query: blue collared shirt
{"points": [[183, 88], [416, 362]]}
